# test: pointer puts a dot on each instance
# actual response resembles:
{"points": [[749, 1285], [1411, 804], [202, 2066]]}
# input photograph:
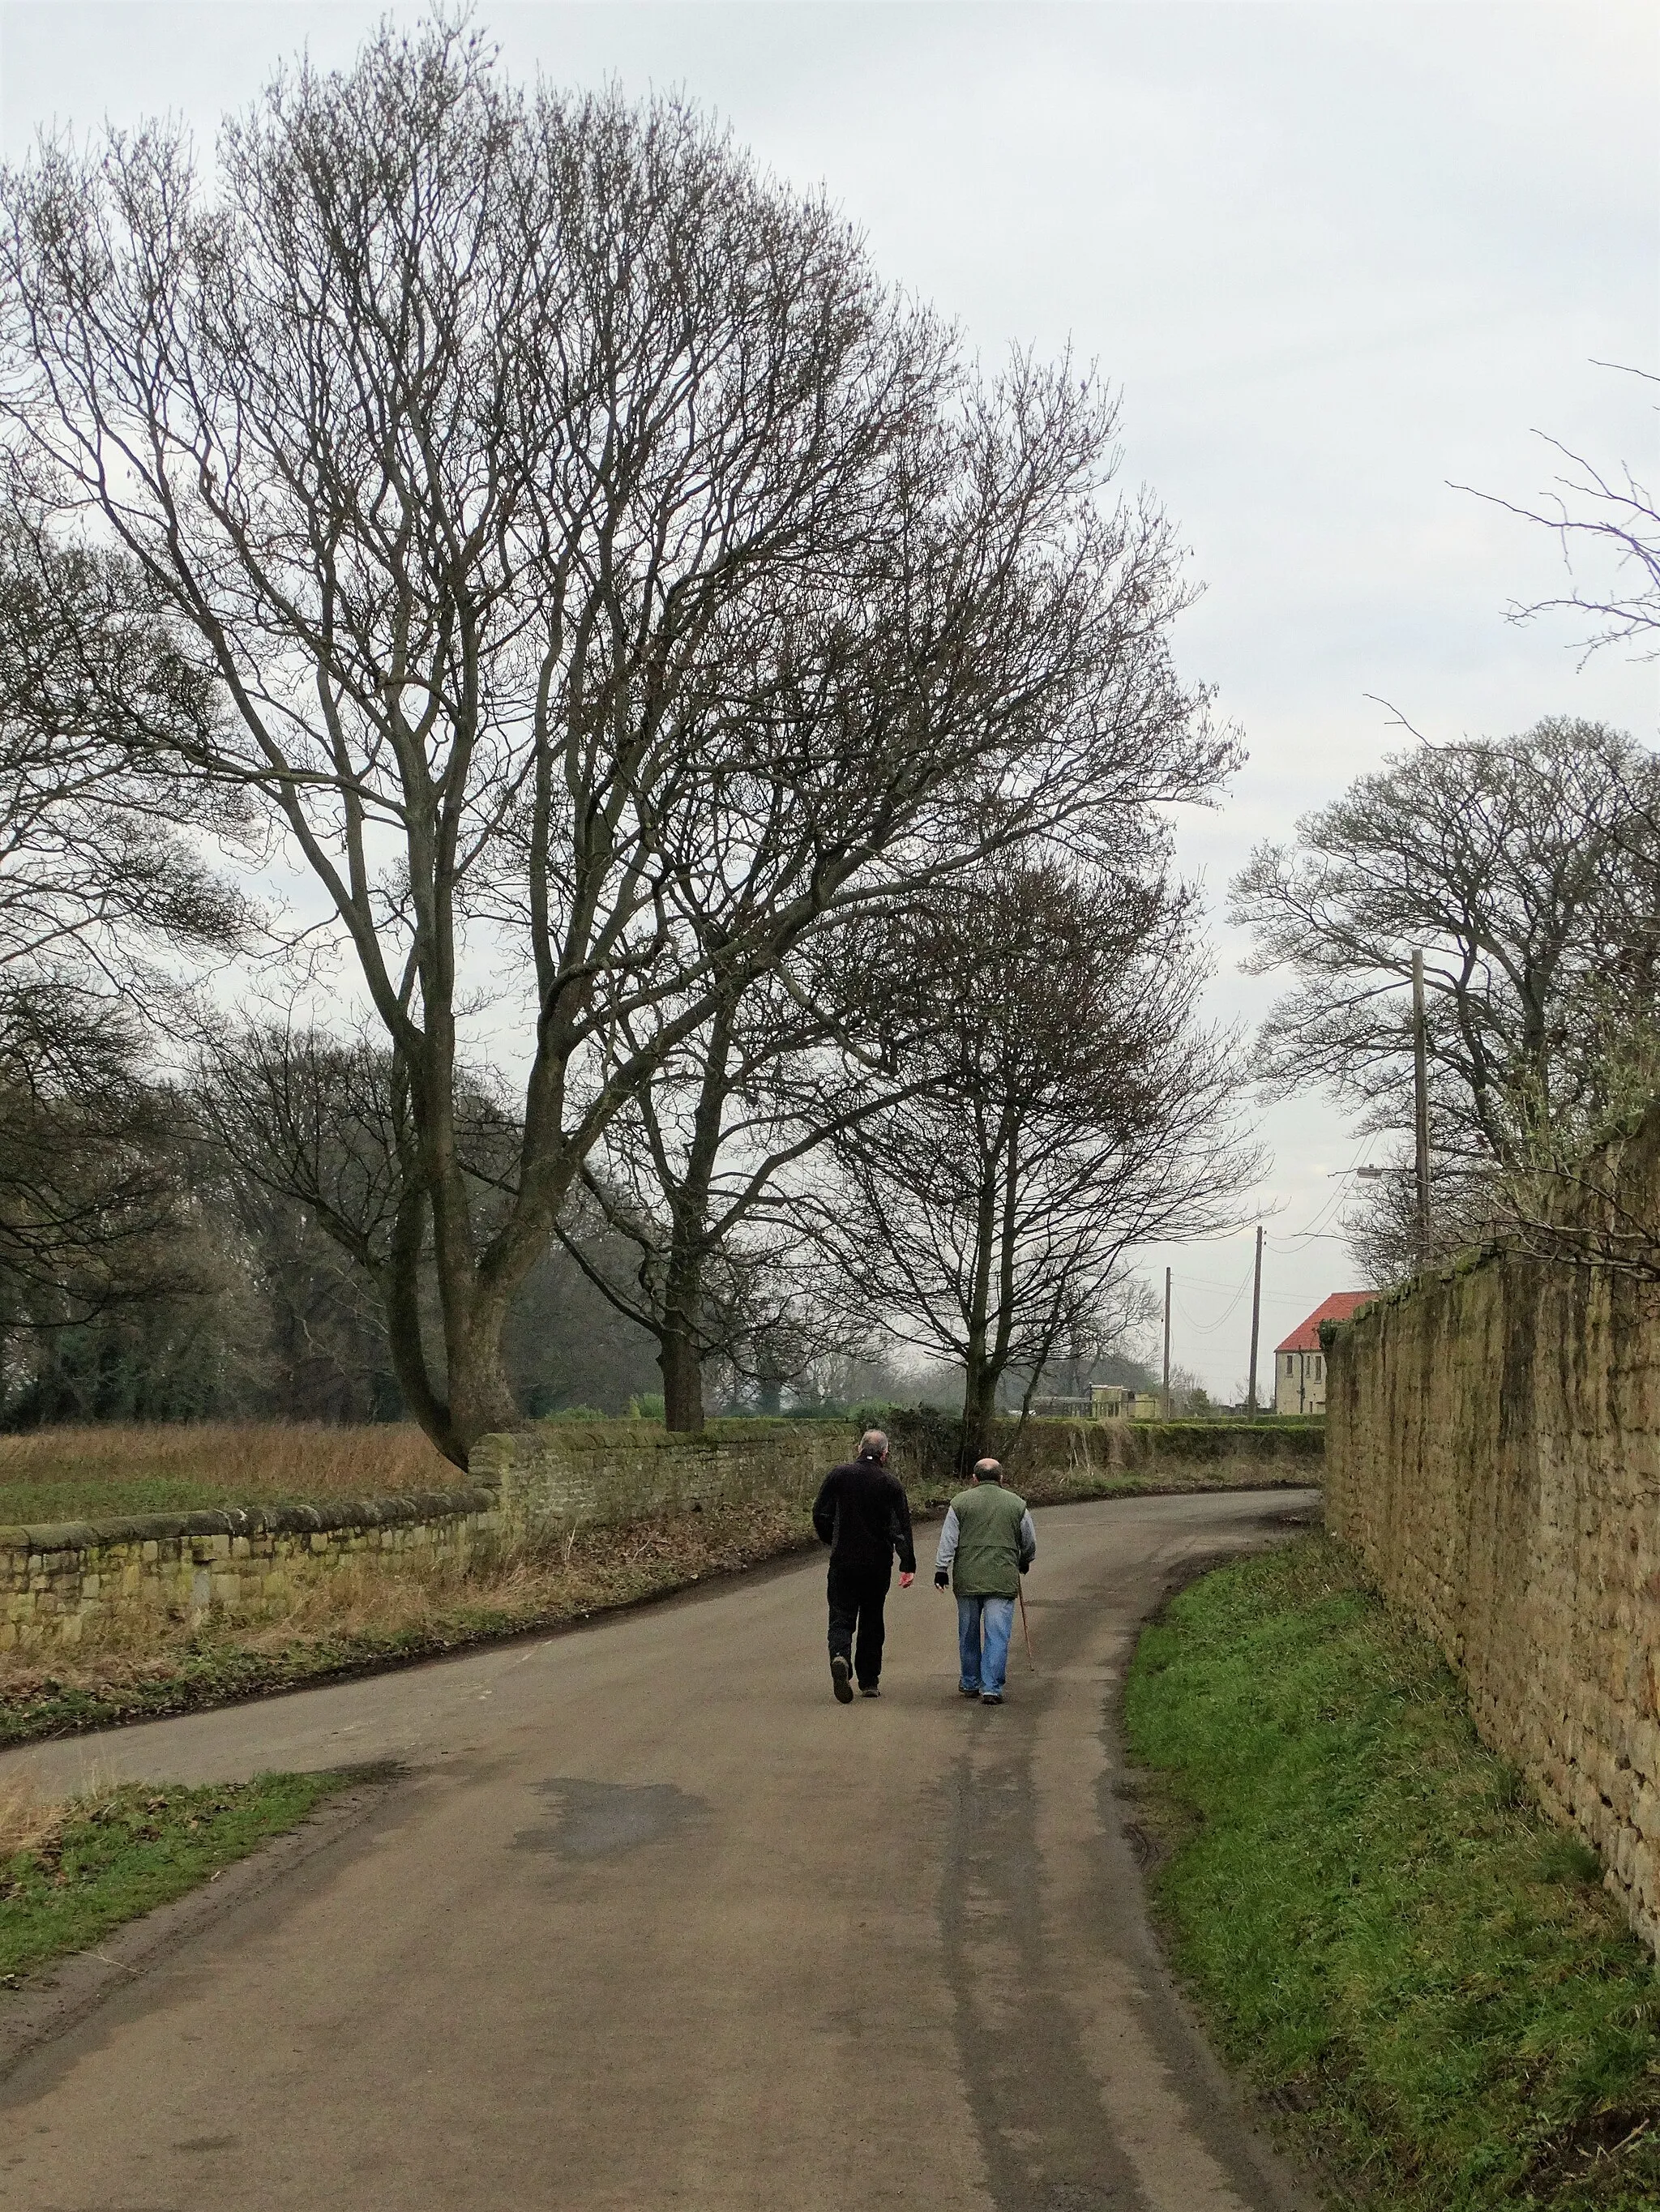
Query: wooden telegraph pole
{"points": [[1166, 1396], [1420, 1116], [1255, 1320]]}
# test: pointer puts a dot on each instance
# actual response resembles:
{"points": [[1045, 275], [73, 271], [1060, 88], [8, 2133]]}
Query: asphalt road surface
{"points": [[650, 1921]]}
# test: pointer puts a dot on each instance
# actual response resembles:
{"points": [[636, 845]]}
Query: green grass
{"points": [[1397, 1949], [108, 1858]]}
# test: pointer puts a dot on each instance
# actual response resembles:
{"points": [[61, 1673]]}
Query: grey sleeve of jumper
{"points": [[948, 1536], [1028, 1542]]}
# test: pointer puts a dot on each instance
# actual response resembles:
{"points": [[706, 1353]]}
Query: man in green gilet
{"points": [[985, 1546]]}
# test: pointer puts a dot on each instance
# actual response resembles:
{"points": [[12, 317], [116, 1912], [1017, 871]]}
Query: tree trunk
{"points": [[683, 1382], [680, 1338], [979, 1410]]}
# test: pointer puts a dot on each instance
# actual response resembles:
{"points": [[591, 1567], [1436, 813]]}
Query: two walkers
{"points": [[988, 1543]]}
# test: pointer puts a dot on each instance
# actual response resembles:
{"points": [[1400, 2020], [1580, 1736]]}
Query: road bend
{"points": [[650, 1921]]}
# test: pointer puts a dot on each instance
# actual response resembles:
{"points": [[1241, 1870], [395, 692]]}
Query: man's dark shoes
{"points": [[869, 1690], [968, 1689], [840, 1677], [991, 1696]]}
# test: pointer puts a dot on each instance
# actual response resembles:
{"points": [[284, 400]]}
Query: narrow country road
{"points": [[651, 1921]]}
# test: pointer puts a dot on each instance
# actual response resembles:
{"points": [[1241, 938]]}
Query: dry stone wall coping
{"points": [[326, 1517]]}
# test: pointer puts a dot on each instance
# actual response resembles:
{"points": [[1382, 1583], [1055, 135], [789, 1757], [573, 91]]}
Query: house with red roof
{"points": [[1299, 1364]]}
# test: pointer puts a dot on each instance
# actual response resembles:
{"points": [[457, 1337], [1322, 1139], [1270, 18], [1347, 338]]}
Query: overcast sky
{"points": [[1335, 257]]}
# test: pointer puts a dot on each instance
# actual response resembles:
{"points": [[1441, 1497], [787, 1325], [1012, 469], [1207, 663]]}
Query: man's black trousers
{"points": [[857, 1596]]}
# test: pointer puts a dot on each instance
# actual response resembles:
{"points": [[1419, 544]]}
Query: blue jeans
{"points": [[983, 1670]]}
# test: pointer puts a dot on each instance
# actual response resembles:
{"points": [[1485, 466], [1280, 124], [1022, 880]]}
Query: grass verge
{"points": [[70, 1873], [1397, 1950]]}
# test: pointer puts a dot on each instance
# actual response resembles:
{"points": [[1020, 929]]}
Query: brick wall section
{"points": [[1492, 1453]]}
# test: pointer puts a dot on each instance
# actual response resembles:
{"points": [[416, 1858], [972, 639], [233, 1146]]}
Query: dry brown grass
{"points": [[84, 1473], [27, 1819], [358, 1615]]}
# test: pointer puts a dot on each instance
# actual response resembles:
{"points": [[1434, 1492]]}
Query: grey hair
{"points": [[994, 1467], [874, 1444]]}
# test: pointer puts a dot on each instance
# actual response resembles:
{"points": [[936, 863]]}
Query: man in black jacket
{"points": [[863, 1515]]}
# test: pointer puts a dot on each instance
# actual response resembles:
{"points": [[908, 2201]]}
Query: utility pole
{"points": [[1256, 1319], [1166, 1396], [1420, 1117]]}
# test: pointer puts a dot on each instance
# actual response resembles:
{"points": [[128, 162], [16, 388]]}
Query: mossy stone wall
{"points": [[1493, 1454]]}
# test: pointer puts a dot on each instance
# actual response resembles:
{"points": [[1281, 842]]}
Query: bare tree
{"points": [[605, 579], [1607, 517], [1510, 865], [97, 885], [699, 1175], [1523, 871], [1074, 1108]]}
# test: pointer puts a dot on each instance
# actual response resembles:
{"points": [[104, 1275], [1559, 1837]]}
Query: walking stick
{"points": [[1025, 1625]]}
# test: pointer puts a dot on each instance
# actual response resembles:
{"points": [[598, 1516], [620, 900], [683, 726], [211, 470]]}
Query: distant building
{"points": [[1299, 1364], [1111, 1401]]}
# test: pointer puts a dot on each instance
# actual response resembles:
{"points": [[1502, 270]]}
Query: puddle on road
{"points": [[598, 1819]]}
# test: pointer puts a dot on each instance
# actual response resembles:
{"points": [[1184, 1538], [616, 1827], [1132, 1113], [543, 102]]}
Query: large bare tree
{"points": [[605, 579], [699, 1177], [1524, 871], [1070, 1107], [1512, 866]]}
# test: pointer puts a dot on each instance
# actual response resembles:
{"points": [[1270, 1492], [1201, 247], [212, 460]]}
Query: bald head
{"points": [[988, 1470], [873, 1444]]}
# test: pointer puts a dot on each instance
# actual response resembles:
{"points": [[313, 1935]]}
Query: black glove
{"points": [[941, 1576], [1024, 1564]]}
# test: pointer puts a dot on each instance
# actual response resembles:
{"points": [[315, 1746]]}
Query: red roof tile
{"points": [[1338, 1307]]}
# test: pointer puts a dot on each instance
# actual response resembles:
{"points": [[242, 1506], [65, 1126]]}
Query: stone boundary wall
{"points": [[67, 1582], [1493, 1454], [563, 1474], [63, 1584]]}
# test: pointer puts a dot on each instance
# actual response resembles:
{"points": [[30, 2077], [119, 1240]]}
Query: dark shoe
{"points": [[963, 1690], [840, 1671], [869, 1690], [991, 1696]]}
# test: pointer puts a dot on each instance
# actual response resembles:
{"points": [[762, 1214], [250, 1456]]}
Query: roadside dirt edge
{"points": [[65, 1993]]}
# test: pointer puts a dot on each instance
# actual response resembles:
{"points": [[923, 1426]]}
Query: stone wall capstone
{"points": [[1493, 1454]]}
